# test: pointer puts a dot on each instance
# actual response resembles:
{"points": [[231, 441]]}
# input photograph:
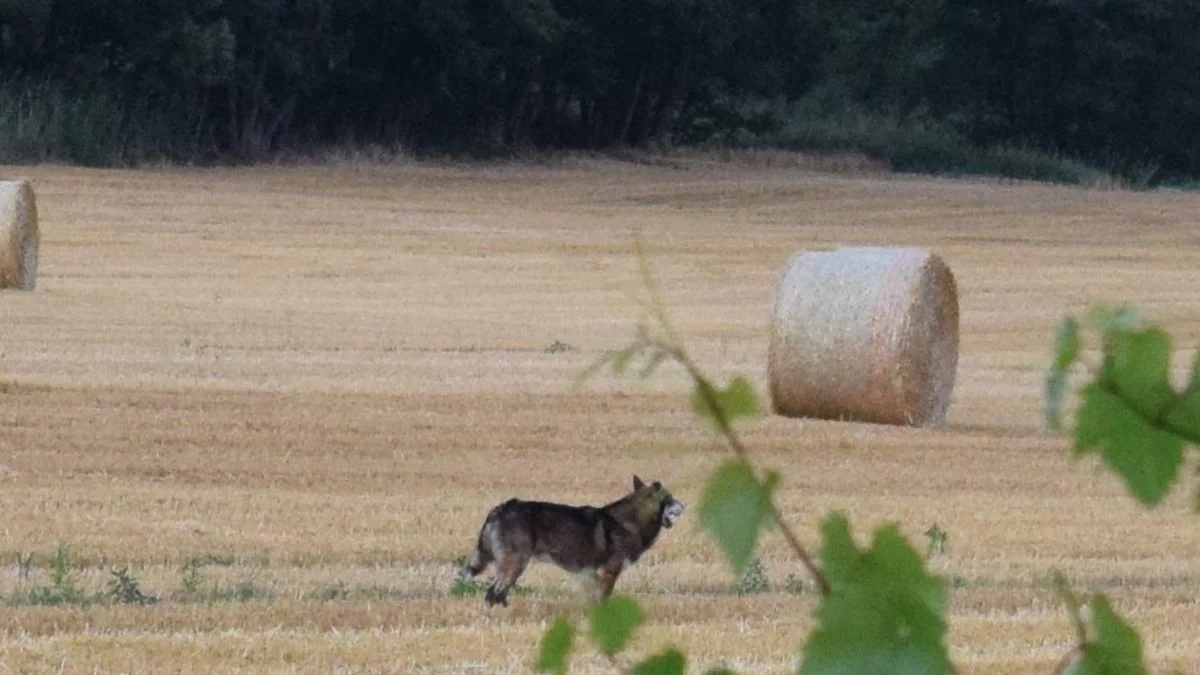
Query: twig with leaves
{"points": [[1129, 412], [879, 606], [660, 342], [880, 610]]}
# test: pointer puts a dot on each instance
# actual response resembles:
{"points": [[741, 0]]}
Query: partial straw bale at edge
{"points": [[18, 236], [868, 334]]}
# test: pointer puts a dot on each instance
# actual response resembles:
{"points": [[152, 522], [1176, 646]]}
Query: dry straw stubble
{"points": [[868, 334], [19, 237]]}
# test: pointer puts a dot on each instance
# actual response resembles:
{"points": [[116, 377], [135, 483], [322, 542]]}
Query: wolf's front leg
{"points": [[606, 579]]}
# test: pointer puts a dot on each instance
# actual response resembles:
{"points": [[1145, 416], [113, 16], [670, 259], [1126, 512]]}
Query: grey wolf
{"points": [[601, 540]]}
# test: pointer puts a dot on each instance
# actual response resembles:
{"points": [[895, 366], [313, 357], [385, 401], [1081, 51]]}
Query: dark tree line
{"points": [[1111, 81]]}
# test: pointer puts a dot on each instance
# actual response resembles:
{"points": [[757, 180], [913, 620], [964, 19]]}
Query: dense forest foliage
{"points": [[1113, 83]]}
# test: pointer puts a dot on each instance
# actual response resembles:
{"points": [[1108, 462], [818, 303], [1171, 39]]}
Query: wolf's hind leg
{"points": [[508, 569], [480, 559], [483, 554]]}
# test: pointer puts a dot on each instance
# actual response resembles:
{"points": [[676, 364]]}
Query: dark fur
{"points": [[604, 540]]}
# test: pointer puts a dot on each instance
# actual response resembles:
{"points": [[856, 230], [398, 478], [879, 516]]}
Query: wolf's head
{"points": [[655, 501]]}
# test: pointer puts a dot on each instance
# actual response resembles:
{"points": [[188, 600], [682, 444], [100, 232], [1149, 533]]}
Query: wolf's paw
{"points": [[493, 598]]}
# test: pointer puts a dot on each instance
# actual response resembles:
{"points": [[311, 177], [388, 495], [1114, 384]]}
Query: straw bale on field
{"points": [[868, 334]]}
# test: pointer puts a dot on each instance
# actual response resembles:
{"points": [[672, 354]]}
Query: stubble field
{"points": [[286, 397]]}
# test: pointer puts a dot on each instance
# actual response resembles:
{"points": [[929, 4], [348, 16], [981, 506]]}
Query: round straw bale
{"points": [[18, 236], [868, 334]]}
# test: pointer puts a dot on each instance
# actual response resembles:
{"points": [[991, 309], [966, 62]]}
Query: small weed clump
{"points": [[63, 588], [753, 580], [794, 584], [124, 589], [463, 585]]}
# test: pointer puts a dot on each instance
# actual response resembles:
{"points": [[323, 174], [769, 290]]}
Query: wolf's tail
{"points": [[483, 555]]}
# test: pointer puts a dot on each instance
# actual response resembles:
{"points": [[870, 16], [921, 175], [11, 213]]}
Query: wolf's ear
{"points": [[637, 483]]}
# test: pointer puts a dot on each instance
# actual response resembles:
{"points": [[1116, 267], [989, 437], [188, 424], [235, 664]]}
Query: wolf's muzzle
{"points": [[672, 512]]}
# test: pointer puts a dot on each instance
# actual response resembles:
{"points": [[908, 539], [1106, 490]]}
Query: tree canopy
{"points": [[1112, 82]]}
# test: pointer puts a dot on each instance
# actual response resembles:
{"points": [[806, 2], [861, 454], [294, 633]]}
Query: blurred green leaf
{"points": [[1066, 344], [1066, 351], [1184, 417], [1116, 648], [885, 613], [734, 508], [556, 647], [1138, 370], [594, 367], [735, 401], [1194, 380], [1146, 458], [670, 662], [739, 399], [652, 364], [620, 359], [1107, 318], [1056, 391], [614, 621]]}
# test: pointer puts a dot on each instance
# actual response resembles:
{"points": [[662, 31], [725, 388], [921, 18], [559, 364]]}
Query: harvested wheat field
{"points": [[285, 398]]}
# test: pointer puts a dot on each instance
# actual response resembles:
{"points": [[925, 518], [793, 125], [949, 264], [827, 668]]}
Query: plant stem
{"points": [[1069, 658], [676, 352], [673, 347]]}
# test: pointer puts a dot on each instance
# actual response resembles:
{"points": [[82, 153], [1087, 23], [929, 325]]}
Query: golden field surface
{"points": [[285, 398]]}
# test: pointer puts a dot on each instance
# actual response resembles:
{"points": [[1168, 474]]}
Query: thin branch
{"points": [[672, 346], [656, 305], [1067, 660], [1063, 588], [735, 443], [802, 553]]}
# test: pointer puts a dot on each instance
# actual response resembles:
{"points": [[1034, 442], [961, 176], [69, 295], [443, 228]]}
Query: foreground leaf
{"points": [[1108, 319], [1138, 370], [885, 613], [1066, 344], [1066, 350], [734, 401], [1116, 649], [670, 662], [652, 363], [1184, 417], [556, 647], [1194, 381], [614, 621], [620, 359], [1056, 391], [604, 360], [1071, 602], [734, 507], [1146, 458]]}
